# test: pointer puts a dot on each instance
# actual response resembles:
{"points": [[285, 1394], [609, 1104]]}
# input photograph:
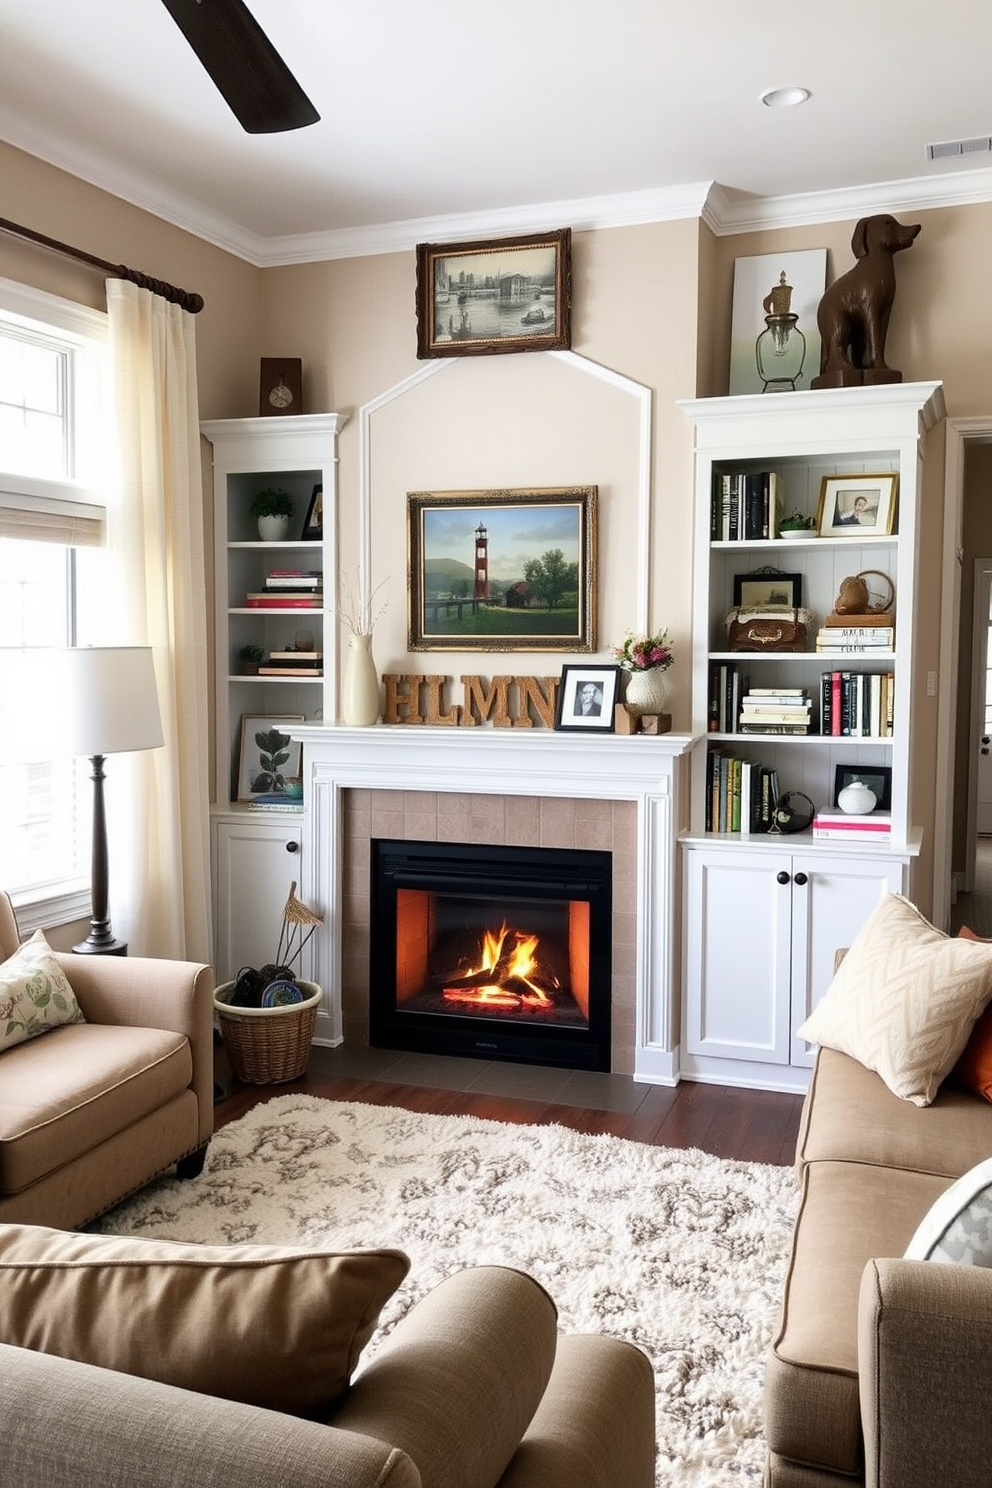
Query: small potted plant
{"points": [[251, 658], [797, 525], [272, 509]]}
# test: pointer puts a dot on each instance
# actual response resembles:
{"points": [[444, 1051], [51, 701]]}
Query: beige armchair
{"points": [[91, 1111]]}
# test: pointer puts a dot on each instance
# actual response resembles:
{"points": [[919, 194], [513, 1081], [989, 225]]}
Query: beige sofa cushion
{"points": [[264, 1324], [848, 1214], [66, 1093], [904, 999], [850, 1115], [35, 995]]}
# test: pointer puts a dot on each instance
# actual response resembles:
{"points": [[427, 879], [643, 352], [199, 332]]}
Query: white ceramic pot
{"points": [[647, 691], [360, 686], [857, 798], [273, 529]]}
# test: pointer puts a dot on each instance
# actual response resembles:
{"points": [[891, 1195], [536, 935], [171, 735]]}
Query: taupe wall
{"points": [[652, 303]]}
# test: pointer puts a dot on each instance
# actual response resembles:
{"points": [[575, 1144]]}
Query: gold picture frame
{"points": [[857, 505], [505, 294], [511, 570]]}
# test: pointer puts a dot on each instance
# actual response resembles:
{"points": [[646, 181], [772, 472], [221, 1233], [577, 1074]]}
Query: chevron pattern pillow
{"points": [[904, 1000]]}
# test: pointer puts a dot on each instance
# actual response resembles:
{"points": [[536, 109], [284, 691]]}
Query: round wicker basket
{"points": [[267, 1046]]}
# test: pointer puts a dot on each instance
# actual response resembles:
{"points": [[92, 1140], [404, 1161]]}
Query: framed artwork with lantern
{"points": [[774, 339]]}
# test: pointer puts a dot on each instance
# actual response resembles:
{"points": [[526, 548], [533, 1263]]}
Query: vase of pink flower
{"points": [[646, 660]]}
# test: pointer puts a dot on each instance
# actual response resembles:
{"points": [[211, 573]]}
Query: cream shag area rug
{"points": [[680, 1252]]}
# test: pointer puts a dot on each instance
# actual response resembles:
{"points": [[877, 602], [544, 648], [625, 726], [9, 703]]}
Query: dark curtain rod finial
{"points": [[183, 297]]}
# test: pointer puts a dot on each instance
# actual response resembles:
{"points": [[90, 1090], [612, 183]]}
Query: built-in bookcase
{"points": [[764, 914], [803, 438], [296, 453]]}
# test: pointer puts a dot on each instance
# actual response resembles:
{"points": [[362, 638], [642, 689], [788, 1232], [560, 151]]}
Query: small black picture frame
{"points": [[753, 591], [587, 696], [313, 525], [877, 778]]}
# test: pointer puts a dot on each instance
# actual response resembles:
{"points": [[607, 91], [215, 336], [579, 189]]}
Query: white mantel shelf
{"points": [[642, 768]]}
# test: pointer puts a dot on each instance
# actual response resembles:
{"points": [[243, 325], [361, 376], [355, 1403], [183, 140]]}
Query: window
{"points": [[51, 425]]}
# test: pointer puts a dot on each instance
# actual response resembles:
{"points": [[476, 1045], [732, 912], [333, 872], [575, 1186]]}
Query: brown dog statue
{"points": [[853, 315]]}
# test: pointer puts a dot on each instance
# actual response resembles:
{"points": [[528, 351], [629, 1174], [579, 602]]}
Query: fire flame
{"points": [[517, 962]]}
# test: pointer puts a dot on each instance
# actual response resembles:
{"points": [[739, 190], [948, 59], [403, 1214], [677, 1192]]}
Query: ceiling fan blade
{"points": [[247, 70]]}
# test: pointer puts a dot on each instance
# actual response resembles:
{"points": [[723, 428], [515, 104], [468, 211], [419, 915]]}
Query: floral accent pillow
{"points": [[35, 995]]}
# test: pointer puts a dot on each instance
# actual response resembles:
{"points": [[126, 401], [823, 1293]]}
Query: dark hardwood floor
{"points": [[749, 1125]]}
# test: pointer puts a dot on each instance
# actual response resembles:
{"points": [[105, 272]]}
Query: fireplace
{"points": [[495, 952]]}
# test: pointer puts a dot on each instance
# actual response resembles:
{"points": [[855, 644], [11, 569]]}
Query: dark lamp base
{"points": [[98, 948]]}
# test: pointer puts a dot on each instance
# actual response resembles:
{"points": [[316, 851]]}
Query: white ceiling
{"points": [[442, 119]]}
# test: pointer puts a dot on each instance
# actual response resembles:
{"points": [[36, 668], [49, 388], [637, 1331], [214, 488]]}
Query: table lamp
{"points": [[112, 709]]}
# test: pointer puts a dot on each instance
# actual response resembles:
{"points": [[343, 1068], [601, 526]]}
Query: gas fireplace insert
{"points": [[496, 952]]}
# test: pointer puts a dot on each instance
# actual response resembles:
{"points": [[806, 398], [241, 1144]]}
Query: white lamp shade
{"points": [[112, 702]]}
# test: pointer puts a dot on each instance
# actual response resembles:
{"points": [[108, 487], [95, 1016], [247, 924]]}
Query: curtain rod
{"points": [[184, 297]]}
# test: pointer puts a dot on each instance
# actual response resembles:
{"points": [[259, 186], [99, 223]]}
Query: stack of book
{"points": [[859, 636], [745, 505], [289, 589], [725, 684], [275, 802], [857, 703], [775, 710], [741, 794], [842, 826], [293, 664]]}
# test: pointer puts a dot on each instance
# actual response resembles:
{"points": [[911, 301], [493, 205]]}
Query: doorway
{"points": [[967, 704]]}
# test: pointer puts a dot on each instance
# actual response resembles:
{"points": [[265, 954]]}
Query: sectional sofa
{"points": [[880, 1369]]}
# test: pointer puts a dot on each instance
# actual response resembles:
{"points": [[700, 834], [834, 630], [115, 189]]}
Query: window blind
{"points": [[51, 511]]}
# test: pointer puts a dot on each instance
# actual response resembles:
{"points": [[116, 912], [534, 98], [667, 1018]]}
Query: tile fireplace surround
{"points": [[532, 787]]}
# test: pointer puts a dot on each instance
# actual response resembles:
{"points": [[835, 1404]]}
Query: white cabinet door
{"points": [[738, 954], [254, 864], [831, 899]]}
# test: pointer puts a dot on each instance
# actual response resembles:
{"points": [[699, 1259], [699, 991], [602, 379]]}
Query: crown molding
{"points": [[583, 214], [728, 213], [725, 211]]}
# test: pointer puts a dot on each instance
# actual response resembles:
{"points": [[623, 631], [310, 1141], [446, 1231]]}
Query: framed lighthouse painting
{"points": [[502, 570]]}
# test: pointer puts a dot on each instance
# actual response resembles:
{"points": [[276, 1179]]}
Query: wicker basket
{"points": [[267, 1046]]}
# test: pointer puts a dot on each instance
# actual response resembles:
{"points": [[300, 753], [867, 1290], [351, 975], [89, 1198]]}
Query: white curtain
{"points": [[158, 801]]}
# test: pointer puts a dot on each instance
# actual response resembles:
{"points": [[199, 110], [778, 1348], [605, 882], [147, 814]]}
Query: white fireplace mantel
{"points": [[642, 768]]}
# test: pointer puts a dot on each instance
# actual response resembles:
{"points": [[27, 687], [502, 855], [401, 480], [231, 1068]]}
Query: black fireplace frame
{"points": [[496, 869]]}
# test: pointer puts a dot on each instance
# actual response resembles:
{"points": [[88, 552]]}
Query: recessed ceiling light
{"points": [[784, 97]]}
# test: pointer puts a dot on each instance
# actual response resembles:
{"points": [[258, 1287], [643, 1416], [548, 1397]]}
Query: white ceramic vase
{"points": [[857, 797], [360, 687], [273, 529], [647, 691]]}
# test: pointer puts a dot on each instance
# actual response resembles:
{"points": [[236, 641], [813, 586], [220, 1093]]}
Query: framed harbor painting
{"points": [[508, 294], [502, 570]]}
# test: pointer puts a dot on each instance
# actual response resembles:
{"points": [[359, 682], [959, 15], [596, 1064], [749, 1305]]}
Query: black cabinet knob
{"points": [[782, 878], [801, 879], [292, 847]]}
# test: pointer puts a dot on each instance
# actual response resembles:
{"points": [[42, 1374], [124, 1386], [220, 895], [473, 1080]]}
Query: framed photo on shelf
{"points": [[760, 589], [857, 505], [507, 294], [502, 570], [586, 698], [313, 525], [878, 778], [268, 756]]}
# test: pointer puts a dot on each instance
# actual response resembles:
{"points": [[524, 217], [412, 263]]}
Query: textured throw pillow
{"points": [[904, 1000], [974, 1068], [958, 1227], [263, 1324], [35, 995]]}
